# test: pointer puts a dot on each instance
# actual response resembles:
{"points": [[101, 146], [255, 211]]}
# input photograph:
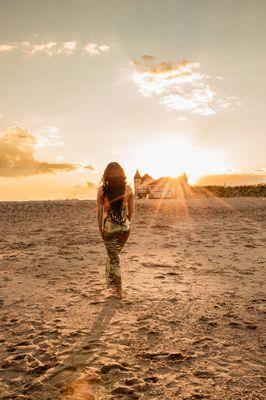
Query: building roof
{"points": [[147, 178], [166, 180], [137, 175]]}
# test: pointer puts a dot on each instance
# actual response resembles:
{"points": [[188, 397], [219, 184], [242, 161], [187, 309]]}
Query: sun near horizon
{"points": [[172, 155], [27, 175]]}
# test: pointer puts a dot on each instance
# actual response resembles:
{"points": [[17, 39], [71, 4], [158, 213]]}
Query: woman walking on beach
{"points": [[115, 209]]}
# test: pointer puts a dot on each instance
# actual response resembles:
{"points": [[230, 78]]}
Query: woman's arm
{"points": [[130, 204], [100, 209]]}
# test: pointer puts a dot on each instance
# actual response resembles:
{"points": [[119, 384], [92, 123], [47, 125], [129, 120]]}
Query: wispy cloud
{"points": [[49, 136], [71, 45], [6, 47], [179, 86], [17, 155], [93, 48], [51, 48], [89, 167]]}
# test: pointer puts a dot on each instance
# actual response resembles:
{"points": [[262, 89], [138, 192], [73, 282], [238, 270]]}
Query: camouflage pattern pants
{"points": [[115, 237]]}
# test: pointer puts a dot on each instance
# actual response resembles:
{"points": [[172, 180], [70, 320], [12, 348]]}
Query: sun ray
{"points": [[224, 203]]}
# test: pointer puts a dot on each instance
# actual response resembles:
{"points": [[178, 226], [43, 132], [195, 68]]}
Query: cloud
{"points": [[49, 136], [179, 86], [91, 185], [93, 48], [49, 48], [157, 78], [52, 48], [6, 47], [71, 45], [89, 167], [17, 156], [147, 58]]}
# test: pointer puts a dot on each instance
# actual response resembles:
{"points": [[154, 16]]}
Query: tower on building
{"points": [[137, 181]]}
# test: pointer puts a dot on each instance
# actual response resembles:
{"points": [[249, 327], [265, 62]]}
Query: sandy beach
{"points": [[190, 325]]}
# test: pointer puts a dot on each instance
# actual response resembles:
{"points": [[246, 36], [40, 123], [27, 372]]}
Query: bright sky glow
{"points": [[164, 86], [171, 156]]}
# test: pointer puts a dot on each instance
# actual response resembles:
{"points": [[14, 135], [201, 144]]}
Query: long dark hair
{"points": [[114, 186]]}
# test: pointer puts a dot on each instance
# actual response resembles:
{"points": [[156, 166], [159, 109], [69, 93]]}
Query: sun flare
{"points": [[171, 156]]}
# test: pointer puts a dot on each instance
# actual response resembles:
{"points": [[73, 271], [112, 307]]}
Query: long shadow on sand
{"points": [[85, 351]]}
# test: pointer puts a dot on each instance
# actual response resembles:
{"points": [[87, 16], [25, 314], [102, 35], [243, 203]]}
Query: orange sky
{"points": [[165, 87]]}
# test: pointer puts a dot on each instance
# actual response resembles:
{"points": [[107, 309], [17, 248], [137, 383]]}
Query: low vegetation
{"points": [[230, 191]]}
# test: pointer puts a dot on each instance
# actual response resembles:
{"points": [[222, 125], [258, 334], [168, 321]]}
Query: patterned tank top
{"points": [[114, 215]]}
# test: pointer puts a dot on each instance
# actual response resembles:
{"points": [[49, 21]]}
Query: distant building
{"points": [[162, 188]]}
